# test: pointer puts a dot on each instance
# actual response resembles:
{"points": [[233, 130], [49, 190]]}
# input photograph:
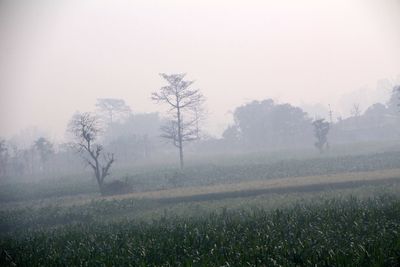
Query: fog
{"points": [[58, 57], [207, 133]]}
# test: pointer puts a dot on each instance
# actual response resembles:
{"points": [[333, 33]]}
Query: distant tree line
{"points": [[116, 136], [266, 125]]}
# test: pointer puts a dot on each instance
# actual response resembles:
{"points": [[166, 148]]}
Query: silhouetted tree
{"points": [[394, 101], [135, 138], [356, 111], [375, 114], [264, 124], [85, 129], [185, 108], [45, 149], [231, 134], [321, 130], [3, 158], [112, 108]]}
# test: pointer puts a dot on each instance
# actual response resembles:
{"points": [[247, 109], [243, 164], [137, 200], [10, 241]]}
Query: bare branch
{"points": [[85, 128], [182, 101], [113, 108]]}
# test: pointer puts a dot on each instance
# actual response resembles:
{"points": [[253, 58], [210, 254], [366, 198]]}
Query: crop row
{"points": [[345, 232]]}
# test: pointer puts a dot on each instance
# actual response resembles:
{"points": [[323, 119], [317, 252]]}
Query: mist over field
{"points": [[200, 133], [59, 57]]}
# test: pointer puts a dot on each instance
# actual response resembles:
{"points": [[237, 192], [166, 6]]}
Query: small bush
{"points": [[116, 188]]}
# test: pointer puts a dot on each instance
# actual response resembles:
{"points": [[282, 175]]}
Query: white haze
{"points": [[57, 57]]}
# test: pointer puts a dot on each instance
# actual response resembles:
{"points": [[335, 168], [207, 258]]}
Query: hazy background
{"points": [[57, 57]]}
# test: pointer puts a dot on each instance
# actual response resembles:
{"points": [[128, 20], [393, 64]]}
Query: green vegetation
{"points": [[147, 179], [329, 211], [346, 232]]}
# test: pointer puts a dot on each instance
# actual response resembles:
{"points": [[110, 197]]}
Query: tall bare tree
{"points": [[356, 110], [185, 109], [86, 129], [113, 108]]}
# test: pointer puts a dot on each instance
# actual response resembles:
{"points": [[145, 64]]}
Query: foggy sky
{"points": [[57, 57]]}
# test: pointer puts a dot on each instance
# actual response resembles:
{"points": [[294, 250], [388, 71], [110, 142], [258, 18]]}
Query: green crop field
{"points": [[341, 211], [347, 232]]}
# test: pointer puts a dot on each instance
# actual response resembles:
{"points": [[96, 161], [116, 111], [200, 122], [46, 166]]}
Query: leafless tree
{"points": [[85, 129], [185, 109], [113, 108], [356, 111]]}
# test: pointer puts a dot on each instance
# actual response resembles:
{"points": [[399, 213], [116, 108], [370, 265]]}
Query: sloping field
{"points": [[269, 195], [241, 189], [281, 185]]}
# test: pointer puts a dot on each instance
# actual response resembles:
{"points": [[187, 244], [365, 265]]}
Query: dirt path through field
{"points": [[277, 190], [280, 185], [242, 189]]}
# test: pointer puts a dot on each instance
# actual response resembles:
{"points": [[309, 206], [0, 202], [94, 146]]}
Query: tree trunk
{"points": [[98, 175], [181, 154], [100, 182], [180, 143], [100, 187]]}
